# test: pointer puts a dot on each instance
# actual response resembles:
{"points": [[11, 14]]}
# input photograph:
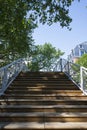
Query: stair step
{"points": [[21, 126], [44, 79], [66, 92], [43, 117], [43, 101], [44, 83], [42, 86], [21, 117], [41, 125], [41, 108], [65, 108], [36, 91], [45, 114], [42, 74], [44, 96]]}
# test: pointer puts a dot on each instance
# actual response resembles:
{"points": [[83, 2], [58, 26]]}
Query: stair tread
{"points": [[50, 95], [21, 114], [23, 125], [65, 114], [42, 125], [43, 106], [66, 125], [41, 100], [36, 89], [39, 87], [45, 101], [67, 91]]}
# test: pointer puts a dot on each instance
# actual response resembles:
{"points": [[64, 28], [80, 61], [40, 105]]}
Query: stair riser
{"points": [[43, 102], [38, 86], [22, 110], [50, 93], [60, 92], [42, 74], [43, 119], [42, 87], [43, 110], [22, 119], [36, 91], [66, 119], [40, 81], [65, 110], [41, 77], [42, 84], [60, 97], [44, 79]]}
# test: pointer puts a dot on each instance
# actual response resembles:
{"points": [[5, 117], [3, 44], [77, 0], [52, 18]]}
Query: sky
{"points": [[62, 38]]}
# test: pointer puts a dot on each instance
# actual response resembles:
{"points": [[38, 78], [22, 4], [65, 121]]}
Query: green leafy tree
{"points": [[50, 11], [18, 18], [83, 60], [44, 57], [15, 30]]}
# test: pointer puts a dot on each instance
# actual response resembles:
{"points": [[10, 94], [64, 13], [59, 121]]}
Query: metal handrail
{"points": [[75, 72], [9, 72], [83, 75]]}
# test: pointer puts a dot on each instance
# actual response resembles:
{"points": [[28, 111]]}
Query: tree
{"points": [[18, 18], [83, 60], [15, 30], [50, 11], [44, 57]]}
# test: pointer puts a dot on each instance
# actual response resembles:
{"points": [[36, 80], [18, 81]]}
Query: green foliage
{"points": [[18, 19], [15, 30], [44, 57], [83, 61], [50, 11]]}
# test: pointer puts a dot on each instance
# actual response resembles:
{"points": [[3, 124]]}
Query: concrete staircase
{"points": [[43, 100]]}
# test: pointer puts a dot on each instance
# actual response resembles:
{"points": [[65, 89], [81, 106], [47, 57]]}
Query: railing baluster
{"points": [[81, 77], [61, 66], [74, 71], [9, 72]]}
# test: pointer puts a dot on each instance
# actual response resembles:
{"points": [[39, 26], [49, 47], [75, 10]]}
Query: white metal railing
{"points": [[83, 74], [9, 73], [75, 72]]}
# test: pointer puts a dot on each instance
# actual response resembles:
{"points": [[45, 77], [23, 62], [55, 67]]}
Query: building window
{"points": [[81, 52], [80, 46]]}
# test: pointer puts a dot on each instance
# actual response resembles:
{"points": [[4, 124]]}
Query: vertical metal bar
{"points": [[4, 82], [81, 78], [68, 67], [13, 69], [61, 66]]}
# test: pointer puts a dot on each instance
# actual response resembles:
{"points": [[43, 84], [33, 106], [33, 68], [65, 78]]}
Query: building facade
{"points": [[77, 52]]}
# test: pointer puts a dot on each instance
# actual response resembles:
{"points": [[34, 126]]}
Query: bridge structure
{"points": [[43, 100]]}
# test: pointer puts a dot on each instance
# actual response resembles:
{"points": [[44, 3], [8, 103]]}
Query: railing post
{"points": [[4, 80], [81, 78], [10, 72], [61, 66], [68, 68]]}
